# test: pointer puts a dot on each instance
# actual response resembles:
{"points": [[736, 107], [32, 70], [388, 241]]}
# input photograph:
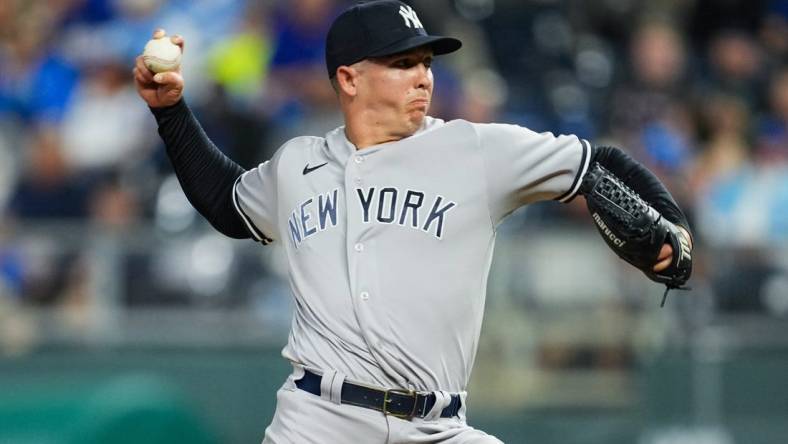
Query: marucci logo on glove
{"points": [[602, 226]]}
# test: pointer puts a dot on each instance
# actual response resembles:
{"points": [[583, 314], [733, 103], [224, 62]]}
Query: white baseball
{"points": [[161, 55]]}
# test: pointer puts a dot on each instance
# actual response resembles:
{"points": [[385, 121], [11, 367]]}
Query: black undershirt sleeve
{"points": [[641, 180], [206, 175]]}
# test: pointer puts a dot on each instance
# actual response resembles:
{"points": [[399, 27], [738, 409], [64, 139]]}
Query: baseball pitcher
{"points": [[388, 224]]}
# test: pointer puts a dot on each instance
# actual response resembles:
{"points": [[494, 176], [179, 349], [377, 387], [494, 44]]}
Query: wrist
{"points": [[161, 112]]}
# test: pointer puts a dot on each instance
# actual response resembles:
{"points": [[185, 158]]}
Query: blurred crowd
{"points": [[697, 90]]}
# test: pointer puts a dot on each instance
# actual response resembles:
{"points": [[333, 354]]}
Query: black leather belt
{"points": [[405, 404]]}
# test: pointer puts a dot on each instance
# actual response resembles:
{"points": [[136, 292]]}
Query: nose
{"points": [[424, 77]]}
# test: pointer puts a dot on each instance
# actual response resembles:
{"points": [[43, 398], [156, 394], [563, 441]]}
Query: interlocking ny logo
{"points": [[411, 20]]}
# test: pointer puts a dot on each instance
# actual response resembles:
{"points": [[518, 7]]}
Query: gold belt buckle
{"points": [[387, 401]]}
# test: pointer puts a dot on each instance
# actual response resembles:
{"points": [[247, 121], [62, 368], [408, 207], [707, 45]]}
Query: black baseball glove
{"points": [[634, 230]]}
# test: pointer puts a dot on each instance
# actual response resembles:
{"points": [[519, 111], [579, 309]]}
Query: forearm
{"points": [[641, 180], [206, 175]]}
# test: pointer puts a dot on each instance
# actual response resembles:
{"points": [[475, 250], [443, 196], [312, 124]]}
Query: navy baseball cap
{"points": [[379, 28]]}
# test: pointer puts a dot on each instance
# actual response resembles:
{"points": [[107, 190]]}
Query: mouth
{"points": [[420, 103]]}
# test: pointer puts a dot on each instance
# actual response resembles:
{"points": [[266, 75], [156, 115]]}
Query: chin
{"points": [[416, 119]]}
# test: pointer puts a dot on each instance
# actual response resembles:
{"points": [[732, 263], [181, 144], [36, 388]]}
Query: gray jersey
{"points": [[389, 247]]}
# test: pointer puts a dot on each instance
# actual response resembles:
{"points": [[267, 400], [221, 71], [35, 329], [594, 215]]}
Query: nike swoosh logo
{"points": [[308, 170]]}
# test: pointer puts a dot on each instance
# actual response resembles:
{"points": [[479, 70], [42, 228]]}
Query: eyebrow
{"points": [[407, 57], [421, 54]]}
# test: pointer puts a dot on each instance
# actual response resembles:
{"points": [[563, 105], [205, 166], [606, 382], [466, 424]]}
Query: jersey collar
{"points": [[341, 148]]}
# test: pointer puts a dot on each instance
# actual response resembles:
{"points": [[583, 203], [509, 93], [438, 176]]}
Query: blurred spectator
{"points": [[772, 143], [741, 281], [711, 17], [748, 207], [483, 96], [299, 91], [106, 128], [236, 115], [301, 27], [114, 206], [727, 149], [649, 113], [239, 61], [8, 161], [91, 12], [11, 267], [17, 330], [49, 189], [35, 82], [774, 31], [736, 67]]}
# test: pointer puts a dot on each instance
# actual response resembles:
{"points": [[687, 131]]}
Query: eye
{"points": [[410, 62], [403, 63]]}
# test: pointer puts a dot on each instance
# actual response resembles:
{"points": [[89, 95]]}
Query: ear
{"points": [[347, 80]]}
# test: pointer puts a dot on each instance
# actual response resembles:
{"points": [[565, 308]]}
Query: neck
{"points": [[366, 136], [365, 129]]}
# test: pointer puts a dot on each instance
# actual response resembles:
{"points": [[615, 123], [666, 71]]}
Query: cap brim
{"points": [[440, 45]]}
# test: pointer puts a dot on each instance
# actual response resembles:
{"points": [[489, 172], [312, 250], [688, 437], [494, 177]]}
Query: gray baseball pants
{"points": [[304, 418]]}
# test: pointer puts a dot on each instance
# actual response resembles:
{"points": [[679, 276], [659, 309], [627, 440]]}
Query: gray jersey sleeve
{"points": [[522, 166], [255, 199]]}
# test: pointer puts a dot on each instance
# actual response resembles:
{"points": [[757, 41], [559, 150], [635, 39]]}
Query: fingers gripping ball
{"points": [[161, 55]]}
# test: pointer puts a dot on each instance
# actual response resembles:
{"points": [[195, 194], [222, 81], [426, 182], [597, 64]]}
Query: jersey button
{"points": [[364, 295], [359, 247], [358, 159], [359, 181]]}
